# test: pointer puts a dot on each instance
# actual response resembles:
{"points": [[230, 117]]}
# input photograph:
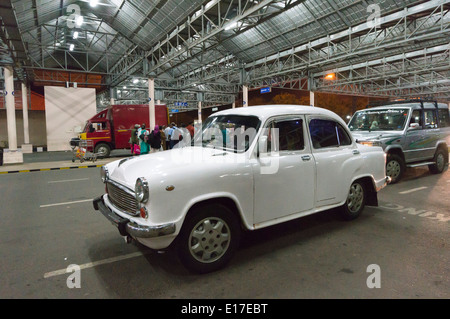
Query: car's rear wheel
{"points": [[395, 167], [440, 160], [208, 239], [356, 200]]}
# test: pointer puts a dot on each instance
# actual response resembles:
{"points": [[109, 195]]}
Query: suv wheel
{"points": [[394, 167], [208, 239], [355, 202], [440, 159]]}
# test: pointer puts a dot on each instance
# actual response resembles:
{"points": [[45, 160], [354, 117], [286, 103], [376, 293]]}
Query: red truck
{"points": [[111, 128]]}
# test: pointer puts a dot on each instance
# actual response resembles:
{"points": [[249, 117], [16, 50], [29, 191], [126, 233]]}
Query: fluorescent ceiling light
{"points": [[75, 35], [71, 47], [93, 3], [79, 21], [135, 81]]}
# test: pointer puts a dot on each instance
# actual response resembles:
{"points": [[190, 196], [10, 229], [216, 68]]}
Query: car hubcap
{"points": [[102, 151], [393, 169], [355, 198], [209, 239]]}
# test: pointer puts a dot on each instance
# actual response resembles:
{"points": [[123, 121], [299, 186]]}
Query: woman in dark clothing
{"points": [[155, 140]]}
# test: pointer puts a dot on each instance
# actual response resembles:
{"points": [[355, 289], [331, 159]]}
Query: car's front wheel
{"points": [[209, 238], [356, 200], [395, 167]]}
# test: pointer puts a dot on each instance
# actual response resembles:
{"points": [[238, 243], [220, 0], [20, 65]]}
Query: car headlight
{"points": [[141, 190], [370, 143], [104, 174]]}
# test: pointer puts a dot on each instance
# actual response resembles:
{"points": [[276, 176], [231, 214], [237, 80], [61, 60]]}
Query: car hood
{"points": [[160, 165], [374, 135]]}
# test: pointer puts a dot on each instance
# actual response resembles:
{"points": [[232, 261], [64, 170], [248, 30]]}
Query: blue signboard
{"points": [[174, 110], [181, 103], [266, 90]]}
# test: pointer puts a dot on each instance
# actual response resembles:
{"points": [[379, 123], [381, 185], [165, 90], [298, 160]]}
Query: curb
{"points": [[49, 169]]}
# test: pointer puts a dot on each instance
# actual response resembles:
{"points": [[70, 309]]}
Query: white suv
{"points": [[247, 168], [412, 133]]}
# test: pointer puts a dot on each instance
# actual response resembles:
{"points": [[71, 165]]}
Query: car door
{"points": [[421, 142], [288, 188], [336, 158]]}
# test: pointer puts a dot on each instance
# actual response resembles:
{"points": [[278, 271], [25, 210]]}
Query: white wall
{"points": [[65, 109]]}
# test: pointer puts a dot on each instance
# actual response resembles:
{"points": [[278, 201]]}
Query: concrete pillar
{"points": [[111, 96], [233, 105], [26, 147], [11, 155], [244, 95], [311, 98], [199, 111], [151, 96]]}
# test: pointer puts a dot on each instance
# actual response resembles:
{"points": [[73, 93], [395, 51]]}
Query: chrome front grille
{"points": [[122, 198]]}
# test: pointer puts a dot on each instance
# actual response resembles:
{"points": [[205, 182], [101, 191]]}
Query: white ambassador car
{"points": [[246, 169]]}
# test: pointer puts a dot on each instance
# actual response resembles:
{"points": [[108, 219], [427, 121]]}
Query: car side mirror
{"points": [[413, 126], [262, 146]]}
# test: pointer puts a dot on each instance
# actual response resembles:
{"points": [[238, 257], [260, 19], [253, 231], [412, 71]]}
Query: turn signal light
{"points": [[143, 212]]}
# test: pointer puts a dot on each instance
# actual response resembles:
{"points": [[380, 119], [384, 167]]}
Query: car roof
{"points": [[413, 105], [267, 111]]}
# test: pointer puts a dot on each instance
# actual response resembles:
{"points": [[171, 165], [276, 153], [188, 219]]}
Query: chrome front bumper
{"points": [[129, 228]]}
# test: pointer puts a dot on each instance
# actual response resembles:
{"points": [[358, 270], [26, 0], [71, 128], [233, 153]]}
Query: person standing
{"points": [[143, 136], [174, 135], [134, 139], [191, 129], [167, 134], [154, 140], [163, 137]]}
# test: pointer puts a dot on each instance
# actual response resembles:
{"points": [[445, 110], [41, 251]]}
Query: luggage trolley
{"points": [[80, 150]]}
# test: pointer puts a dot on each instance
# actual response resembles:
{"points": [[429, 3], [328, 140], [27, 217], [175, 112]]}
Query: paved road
{"points": [[48, 223]]}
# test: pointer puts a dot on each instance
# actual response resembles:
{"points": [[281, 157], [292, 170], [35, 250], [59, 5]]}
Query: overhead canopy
{"points": [[391, 48]]}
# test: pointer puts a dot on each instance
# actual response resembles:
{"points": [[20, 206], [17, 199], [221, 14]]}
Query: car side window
{"points": [[290, 135], [328, 133], [444, 118], [416, 117], [286, 135], [430, 119]]}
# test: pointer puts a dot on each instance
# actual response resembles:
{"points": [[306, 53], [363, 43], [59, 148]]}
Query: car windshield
{"points": [[228, 132], [389, 119]]}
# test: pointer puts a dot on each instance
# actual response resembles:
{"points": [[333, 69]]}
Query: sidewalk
{"points": [[46, 161]]}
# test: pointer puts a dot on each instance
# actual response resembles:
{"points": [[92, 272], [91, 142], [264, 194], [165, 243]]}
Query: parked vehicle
{"points": [[412, 133], [247, 168], [111, 128]]}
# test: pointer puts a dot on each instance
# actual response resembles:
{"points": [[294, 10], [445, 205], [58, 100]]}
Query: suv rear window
{"points": [[444, 118]]}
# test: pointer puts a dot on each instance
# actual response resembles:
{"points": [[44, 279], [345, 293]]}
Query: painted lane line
{"points": [[413, 190], [69, 180], [96, 263], [67, 203]]}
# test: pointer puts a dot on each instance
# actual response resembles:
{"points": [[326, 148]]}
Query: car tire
{"points": [[208, 239], [102, 150], [355, 202], [395, 166], [440, 159]]}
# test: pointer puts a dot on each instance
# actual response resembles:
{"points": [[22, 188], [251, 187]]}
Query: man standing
{"points": [[174, 135], [191, 129], [166, 133]]}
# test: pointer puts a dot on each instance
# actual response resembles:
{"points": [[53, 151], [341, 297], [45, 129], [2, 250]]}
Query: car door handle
{"points": [[306, 157], [355, 152]]}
